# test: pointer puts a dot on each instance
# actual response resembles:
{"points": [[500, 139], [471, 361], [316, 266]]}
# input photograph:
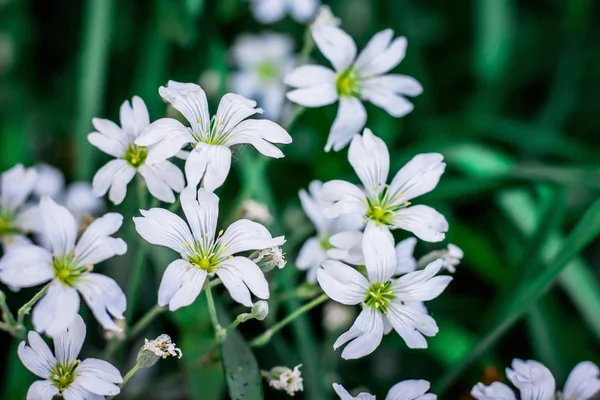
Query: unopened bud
{"points": [[153, 350], [268, 259], [260, 310]]}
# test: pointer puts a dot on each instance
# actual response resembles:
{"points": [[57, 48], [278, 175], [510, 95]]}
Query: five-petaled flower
{"points": [[405, 390]]}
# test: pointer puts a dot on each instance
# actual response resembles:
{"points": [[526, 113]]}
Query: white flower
{"points": [[161, 178], [268, 259], [162, 347], [205, 253], [16, 217], [336, 316], [386, 302], [256, 211], [283, 378], [269, 11], [263, 61], [536, 382], [210, 159], [354, 80], [323, 246], [68, 264], [325, 18], [405, 390], [383, 204], [451, 256], [64, 375]]}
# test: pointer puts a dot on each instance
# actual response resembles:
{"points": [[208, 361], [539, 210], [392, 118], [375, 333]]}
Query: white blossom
{"points": [[269, 11], [263, 61], [211, 138], [327, 243], [270, 258], [162, 347], [203, 252], [162, 178], [62, 372], [535, 382], [387, 303], [387, 205], [353, 80], [325, 18], [257, 212], [405, 390], [283, 378], [67, 264]]}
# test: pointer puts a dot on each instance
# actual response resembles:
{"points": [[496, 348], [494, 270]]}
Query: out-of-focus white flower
{"points": [[68, 264], [283, 378], [257, 212], [16, 217], [451, 256], [325, 18], [270, 258], [162, 178], [211, 80], [386, 205], [535, 381], [263, 61], [203, 252], [353, 80], [269, 11], [386, 302], [211, 138], [336, 238], [336, 316], [405, 390], [64, 375]]}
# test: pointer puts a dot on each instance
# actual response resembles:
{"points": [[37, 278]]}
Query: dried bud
{"points": [[260, 310], [283, 378], [153, 350], [268, 259]]}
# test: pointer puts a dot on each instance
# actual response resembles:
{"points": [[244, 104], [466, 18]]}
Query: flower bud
{"points": [[153, 350], [260, 310], [268, 259]]}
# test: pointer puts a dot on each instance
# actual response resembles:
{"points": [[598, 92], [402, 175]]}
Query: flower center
{"points": [[325, 245], [66, 269], [379, 296], [267, 71], [216, 136], [382, 208], [63, 375], [136, 155], [207, 256], [347, 83]]}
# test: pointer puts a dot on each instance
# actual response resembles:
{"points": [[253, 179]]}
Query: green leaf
{"points": [[17, 378], [241, 369]]}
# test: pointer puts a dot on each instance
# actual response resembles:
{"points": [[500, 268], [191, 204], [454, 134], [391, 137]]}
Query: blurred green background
{"points": [[509, 99]]}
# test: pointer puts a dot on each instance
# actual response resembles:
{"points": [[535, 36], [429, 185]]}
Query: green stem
{"points": [[145, 321], [212, 311], [130, 375], [8, 328], [26, 308], [265, 337], [7, 316]]}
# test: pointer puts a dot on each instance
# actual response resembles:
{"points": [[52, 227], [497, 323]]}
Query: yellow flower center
{"points": [[136, 155], [347, 83], [379, 296]]}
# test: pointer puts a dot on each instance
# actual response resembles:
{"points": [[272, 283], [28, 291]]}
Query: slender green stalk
{"points": [[130, 375], [7, 327], [7, 316], [265, 337], [26, 308], [212, 311], [146, 320]]}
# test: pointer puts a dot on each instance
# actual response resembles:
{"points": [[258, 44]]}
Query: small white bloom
{"points": [[405, 390], [325, 18], [162, 178], [162, 347], [283, 378], [337, 316], [64, 375], [336, 238], [354, 80], [383, 204], [210, 160], [451, 257], [17, 218], [386, 302], [270, 258], [67, 264], [535, 381], [257, 212], [269, 11], [205, 253], [263, 61]]}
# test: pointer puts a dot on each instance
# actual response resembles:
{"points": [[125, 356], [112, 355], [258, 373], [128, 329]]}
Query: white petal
{"points": [[29, 219], [115, 147], [303, 10], [421, 285], [16, 185], [95, 385], [395, 83], [96, 244], [312, 207], [100, 369], [342, 283], [164, 228], [36, 357], [245, 235], [157, 185], [376, 46], [201, 212], [104, 297], [209, 164], [583, 382], [114, 175], [239, 275], [380, 255], [190, 100], [344, 395], [75, 392], [268, 11], [26, 266], [180, 285], [170, 174], [50, 181], [495, 391], [166, 137], [408, 390], [347, 247], [349, 121], [370, 158], [56, 310], [532, 378], [314, 96], [134, 117], [260, 134], [395, 105], [411, 325], [306, 76], [426, 223], [42, 390], [336, 45], [59, 226], [310, 257], [419, 176], [387, 56], [68, 343], [347, 198], [405, 261], [365, 335], [233, 109]]}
